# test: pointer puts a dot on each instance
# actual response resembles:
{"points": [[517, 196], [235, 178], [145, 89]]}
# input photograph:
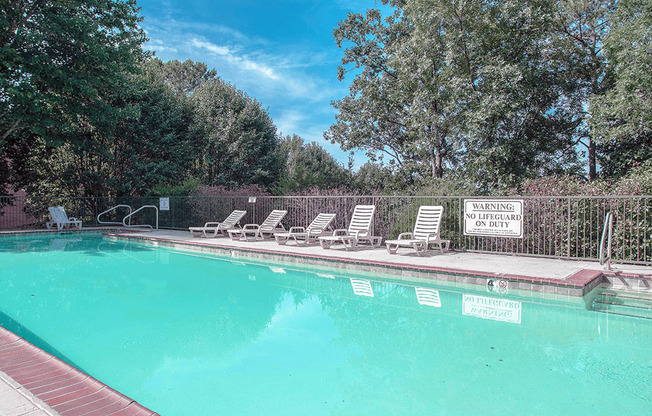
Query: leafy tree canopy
{"points": [[62, 65], [308, 166], [621, 118]]}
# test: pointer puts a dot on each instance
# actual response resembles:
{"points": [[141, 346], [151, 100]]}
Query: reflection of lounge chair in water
{"points": [[60, 218], [301, 235], [213, 229], [59, 244], [426, 232], [362, 287]]}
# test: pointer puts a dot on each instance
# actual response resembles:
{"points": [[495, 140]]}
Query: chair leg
{"points": [[392, 248], [420, 248]]}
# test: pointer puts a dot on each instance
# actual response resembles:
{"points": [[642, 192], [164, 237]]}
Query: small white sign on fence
{"points": [[164, 204], [493, 218]]}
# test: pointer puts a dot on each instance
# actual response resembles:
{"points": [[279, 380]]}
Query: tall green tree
{"points": [[621, 118], [181, 77], [581, 28], [239, 143], [308, 166], [63, 64], [440, 82], [149, 145]]}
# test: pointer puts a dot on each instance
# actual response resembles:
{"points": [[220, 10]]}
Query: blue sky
{"points": [[281, 52]]}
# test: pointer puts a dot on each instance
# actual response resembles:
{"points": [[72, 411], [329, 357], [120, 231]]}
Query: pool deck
{"points": [[559, 276], [34, 383]]}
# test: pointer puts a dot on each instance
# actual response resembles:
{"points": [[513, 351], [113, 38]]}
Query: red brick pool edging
{"points": [[65, 389]]}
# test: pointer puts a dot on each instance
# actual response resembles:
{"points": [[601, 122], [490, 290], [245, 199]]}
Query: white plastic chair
{"points": [[426, 232], [305, 235], [231, 222], [61, 219], [271, 225], [359, 230]]}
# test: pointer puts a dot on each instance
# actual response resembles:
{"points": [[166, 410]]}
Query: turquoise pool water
{"points": [[189, 335]]}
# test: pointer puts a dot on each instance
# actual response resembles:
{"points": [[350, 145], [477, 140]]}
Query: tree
{"points": [[238, 137], [148, 145], [581, 29], [62, 64], [388, 111], [441, 82], [621, 118], [181, 77], [308, 166], [373, 178]]}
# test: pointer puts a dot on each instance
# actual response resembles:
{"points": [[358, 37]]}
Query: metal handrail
{"points": [[605, 252], [99, 221], [140, 225]]}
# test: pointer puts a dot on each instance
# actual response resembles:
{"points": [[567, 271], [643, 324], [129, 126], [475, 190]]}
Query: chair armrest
{"points": [[251, 227], [211, 224], [316, 230], [341, 231], [72, 219], [408, 236], [297, 230], [432, 237]]}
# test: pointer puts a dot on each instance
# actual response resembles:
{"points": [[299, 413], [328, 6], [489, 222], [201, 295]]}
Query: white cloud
{"points": [[289, 121], [231, 57], [219, 50]]}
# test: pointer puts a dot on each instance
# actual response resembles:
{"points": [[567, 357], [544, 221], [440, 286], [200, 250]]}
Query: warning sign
{"points": [[493, 218]]}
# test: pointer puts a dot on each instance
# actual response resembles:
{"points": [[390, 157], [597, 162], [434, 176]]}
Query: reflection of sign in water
{"points": [[493, 218], [497, 286], [164, 204], [429, 297], [362, 287], [491, 308]]}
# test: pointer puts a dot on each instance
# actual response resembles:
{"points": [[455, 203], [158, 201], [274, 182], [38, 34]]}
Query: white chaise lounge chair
{"points": [[61, 219], [213, 229], [359, 230], [271, 225], [306, 235], [426, 232]]}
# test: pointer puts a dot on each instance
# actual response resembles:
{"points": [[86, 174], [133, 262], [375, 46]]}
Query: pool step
{"points": [[628, 304]]}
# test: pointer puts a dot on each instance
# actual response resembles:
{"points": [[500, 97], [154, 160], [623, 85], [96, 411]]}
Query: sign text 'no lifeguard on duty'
{"points": [[493, 218]]}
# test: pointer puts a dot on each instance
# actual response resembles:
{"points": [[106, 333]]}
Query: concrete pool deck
{"points": [[559, 276], [34, 383]]}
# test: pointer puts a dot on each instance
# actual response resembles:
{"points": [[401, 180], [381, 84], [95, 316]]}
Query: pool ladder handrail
{"points": [[128, 217], [605, 252], [99, 221]]}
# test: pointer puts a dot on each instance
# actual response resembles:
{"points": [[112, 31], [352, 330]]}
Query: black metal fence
{"points": [[560, 227]]}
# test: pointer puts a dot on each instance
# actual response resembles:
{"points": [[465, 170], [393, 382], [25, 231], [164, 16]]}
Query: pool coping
{"points": [[576, 285], [59, 388]]}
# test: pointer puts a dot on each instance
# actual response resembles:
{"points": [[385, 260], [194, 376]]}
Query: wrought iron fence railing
{"points": [[560, 227]]}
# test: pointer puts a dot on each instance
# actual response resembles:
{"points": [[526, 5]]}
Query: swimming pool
{"points": [[194, 335]]}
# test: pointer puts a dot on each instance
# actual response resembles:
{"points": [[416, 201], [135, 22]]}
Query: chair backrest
{"points": [[273, 219], [428, 221], [58, 214], [363, 215], [321, 221], [234, 218]]}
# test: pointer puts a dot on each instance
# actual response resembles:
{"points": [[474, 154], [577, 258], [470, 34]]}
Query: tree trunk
{"points": [[592, 168], [436, 165]]}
